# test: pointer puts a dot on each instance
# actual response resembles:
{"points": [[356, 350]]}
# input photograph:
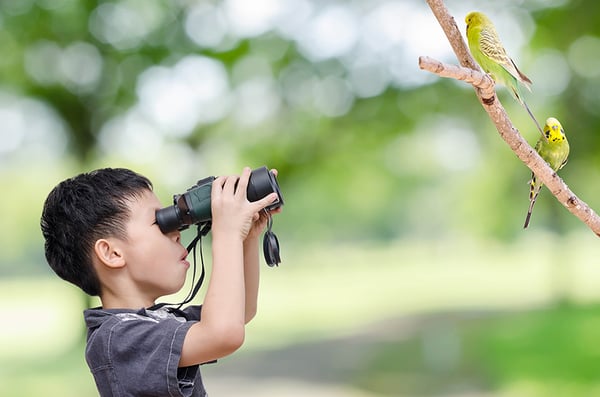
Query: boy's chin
{"points": [[175, 289]]}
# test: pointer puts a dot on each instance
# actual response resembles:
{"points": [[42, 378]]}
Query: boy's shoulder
{"points": [[137, 351], [98, 316]]}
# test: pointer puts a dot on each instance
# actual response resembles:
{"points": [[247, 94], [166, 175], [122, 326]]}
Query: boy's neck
{"points": [[110, 301]]}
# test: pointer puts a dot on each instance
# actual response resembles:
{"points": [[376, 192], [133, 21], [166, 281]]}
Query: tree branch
{"points": [[484, 88]]}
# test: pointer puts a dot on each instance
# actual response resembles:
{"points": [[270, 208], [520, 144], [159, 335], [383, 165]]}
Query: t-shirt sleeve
{"points": [[193, 312], [141, 357]]}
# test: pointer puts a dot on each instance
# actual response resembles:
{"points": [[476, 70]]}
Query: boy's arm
{"points": [[221, 329], [251, 276], [252, 260]]}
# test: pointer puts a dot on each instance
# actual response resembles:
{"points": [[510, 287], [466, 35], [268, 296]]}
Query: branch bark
{"points": [[470, 72]]}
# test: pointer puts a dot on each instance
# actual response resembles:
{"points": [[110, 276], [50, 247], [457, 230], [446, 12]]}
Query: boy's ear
{"points": [[109, 253]]}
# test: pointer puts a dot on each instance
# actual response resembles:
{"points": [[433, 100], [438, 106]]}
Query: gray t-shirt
{"points": [[136, 352]]}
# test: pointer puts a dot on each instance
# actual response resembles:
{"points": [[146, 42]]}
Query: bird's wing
{"points": [[492, 48]]}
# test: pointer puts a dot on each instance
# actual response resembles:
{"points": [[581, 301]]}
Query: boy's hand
{"points": [[233, 215], [259, 223]]}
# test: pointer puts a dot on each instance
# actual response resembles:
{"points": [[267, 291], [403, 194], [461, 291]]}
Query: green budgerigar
{"points": [[554, 149], [489, 53]]}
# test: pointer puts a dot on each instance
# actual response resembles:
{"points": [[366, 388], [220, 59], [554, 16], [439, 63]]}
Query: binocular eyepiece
{"points": [[193, 206]]}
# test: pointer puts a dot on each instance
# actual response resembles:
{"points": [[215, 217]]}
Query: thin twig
{"points": [[479, 80], [470, 73]]}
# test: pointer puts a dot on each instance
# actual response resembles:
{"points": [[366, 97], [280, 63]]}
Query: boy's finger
{"points": [[230, 184], [265, 201], [243, 181], [217, 185]]}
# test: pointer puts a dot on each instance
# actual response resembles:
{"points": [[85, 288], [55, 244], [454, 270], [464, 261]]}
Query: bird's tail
{"points": [[533, 118], [517, 94], [533, 194], [526, 81], [528, 217]]}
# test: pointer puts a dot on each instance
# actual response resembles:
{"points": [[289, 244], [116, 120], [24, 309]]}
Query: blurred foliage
{"points": [[413, 158]]}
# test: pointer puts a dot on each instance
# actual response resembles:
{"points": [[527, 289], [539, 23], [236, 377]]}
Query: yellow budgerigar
{"points": [[554, 149], [490, 54]]}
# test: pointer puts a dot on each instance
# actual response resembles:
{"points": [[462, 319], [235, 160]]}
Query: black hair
{"points": [[81, 210]]}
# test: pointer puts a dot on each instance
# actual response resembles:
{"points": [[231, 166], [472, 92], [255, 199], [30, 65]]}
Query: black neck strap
{"points": [[203, 230]]}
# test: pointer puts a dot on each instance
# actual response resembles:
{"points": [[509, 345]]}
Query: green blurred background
{"points": [[406, 271]]}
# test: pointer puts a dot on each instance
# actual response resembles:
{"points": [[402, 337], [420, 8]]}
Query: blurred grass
{"points": [[550, 352], [485, 316]]}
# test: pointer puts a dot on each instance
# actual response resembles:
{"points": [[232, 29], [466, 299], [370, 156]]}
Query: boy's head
{"points": [[81, 210]]}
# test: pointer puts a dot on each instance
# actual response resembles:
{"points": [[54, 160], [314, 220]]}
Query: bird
{"points": [[554, 149], [489, 53]]}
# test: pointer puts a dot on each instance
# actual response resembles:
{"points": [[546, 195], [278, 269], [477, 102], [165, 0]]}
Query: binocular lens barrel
{"points": [[263, 182], [193, 206]]}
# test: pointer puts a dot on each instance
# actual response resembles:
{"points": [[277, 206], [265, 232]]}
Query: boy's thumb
{"points": [[268, 199]]}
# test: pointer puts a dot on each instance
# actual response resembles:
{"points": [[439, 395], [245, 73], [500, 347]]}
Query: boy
{"points": [[101, 234]]}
